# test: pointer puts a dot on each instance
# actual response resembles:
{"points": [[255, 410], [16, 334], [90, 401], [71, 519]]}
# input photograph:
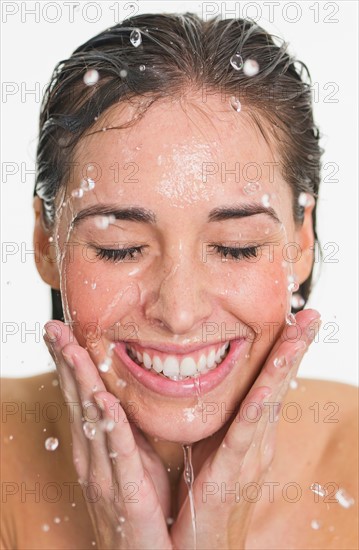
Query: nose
{"points": [[180, 302]]}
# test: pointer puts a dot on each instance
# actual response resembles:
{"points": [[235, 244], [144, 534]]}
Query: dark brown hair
{"points": [[179, 52]]}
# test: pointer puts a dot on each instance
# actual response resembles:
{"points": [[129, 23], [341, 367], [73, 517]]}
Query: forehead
{"points": [[185, 149]]}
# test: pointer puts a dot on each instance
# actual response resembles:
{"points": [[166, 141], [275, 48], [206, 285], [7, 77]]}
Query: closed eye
{"points": [[236, 253], [118, 255]]}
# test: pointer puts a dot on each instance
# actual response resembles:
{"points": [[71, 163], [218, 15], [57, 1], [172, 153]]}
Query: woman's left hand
{"points": [[246, 451]]}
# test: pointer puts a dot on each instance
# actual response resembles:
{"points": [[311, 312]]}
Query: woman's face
{"points": [[180, 165]]}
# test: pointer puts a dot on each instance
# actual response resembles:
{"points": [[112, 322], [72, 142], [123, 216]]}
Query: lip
{"points": [[182, 388]]}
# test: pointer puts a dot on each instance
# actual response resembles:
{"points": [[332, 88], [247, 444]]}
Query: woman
{"points": [[175, 203]]}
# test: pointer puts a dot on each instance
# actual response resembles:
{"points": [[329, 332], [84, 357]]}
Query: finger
{"points": [[88, 381], [57, 336], [238, 439], [285, 356], [288, 350], [134, 484]]}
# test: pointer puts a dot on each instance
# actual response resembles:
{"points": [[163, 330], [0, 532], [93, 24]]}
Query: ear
{"points": [[45, 249], [304, 237]]}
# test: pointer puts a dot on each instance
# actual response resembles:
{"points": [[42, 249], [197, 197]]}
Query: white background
{"points": [[322, 34]]}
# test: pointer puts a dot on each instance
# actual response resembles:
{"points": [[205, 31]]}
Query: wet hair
{"points": [[180, 53]]}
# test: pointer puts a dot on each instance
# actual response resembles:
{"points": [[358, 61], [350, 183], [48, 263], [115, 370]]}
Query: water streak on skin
{"points": [[189, 479]]}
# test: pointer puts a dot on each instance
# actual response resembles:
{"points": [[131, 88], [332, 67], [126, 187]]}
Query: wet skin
{"points": [[169, 294]]}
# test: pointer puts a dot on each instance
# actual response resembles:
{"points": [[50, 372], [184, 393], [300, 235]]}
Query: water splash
{"points": [[235, 104], [91, 77], [344, 499], [136, 38], [318, 489], [236, 61], [251, 188], [297, 301], [290, 319], [89, 430], [315, 524], [189, 478], [51, 443], [250, 67]]}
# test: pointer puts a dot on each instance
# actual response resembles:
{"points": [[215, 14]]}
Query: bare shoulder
{"points": [[317, 447], [32, 412]]}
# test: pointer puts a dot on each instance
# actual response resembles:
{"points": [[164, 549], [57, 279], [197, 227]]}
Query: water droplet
{"points": [[315, 524], [11, 437], [236, 61], [297, 301], [89, 430], [318, 489], [142, 68], [344, 499], [107, 425], [51, 239], [303, 199], [87, 184], [73, 504], [290, 319], [45, 527], [105, 365], [251, 187], [235, 103], [136, 38], [57, 520], [112, 454], [250, 67], [123, 73], [293, 286], [265, 200], [279, 362], [293, 384], [102, 222], [121, 383], [91, 77], [169, 521], [77, 193], [121, 519], [51, 443], [55, 382]]}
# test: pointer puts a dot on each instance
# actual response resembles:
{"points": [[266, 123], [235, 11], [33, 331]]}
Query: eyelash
{"points": [[117, 255], [236, 253]]}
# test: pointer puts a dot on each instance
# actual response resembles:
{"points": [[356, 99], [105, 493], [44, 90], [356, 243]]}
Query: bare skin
{"points": [[170, 294], [307, 451]]}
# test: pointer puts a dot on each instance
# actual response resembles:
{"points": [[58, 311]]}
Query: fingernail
{"points": [[69, 360], [50, 333]]}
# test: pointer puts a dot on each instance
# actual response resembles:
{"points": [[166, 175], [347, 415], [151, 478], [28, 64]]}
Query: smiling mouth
{"points": [[175, 367]]}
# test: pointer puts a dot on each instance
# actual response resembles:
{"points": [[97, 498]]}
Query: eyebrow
{"points": [[139, 214]]}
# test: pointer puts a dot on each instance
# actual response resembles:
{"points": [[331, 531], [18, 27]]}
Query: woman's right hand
{"points": [[129, 512]]}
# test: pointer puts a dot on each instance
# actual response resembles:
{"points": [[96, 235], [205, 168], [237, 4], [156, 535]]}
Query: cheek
{"points": [[256, 291], [99, 297]]}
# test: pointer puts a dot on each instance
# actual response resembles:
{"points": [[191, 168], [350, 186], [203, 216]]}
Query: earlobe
{"points": [[45, 249], [306, 241]]}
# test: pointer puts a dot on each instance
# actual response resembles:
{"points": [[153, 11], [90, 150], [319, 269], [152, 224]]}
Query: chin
{"points": [[186, 425]]}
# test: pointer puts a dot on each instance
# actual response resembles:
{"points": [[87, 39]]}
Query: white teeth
{"points": [[211, 359], [171, 366], [157, 364], [188, 367], [218, 356], [202, 363], [147, 361], [175, 369]]}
